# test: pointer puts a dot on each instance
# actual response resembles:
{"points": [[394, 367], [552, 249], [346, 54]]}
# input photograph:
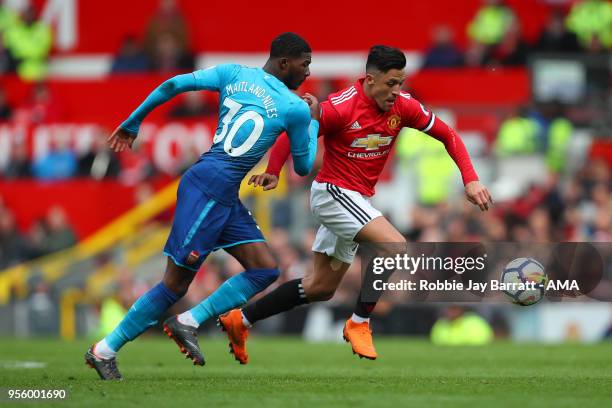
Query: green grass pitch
{"points": [[288, 372]]}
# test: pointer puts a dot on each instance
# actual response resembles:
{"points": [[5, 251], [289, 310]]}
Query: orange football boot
{"points": [[360, 337], [237, 333]]}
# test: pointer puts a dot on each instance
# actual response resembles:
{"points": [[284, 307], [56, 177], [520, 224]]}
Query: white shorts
{"points": [[342, 214]]}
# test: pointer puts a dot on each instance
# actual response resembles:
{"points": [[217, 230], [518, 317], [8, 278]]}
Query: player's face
{"points": [[297, 70], [385, 87]]}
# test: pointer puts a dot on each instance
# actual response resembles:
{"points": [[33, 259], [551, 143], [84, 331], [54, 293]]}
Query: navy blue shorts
{"points": [[202, 225]]}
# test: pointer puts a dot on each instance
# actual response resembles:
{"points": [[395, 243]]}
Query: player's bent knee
{"points": [[177, 279], [263, 261], [263, 277], [179, 288]]}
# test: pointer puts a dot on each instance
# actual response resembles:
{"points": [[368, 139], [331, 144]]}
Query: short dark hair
{"points": [[383, 58], [288, 45]]}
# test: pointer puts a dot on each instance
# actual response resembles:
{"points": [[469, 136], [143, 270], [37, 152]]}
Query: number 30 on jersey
{"points": [[229, 130]]}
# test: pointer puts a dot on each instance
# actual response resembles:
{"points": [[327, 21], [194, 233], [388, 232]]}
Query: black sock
{"points": [[367, 298], [285, 297], [363, 309]]}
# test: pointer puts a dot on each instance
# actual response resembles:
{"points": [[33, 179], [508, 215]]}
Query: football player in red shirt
{"points": [[360, 125]]}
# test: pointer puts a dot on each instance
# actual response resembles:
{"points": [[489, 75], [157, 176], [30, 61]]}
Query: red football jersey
{"points": [[358, 138]]}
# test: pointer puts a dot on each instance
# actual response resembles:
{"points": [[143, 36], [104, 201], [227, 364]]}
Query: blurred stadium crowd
{"points": [[571, 202]]}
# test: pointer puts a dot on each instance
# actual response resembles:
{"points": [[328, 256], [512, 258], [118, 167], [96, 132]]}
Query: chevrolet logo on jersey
{"points": [[372, 142]]}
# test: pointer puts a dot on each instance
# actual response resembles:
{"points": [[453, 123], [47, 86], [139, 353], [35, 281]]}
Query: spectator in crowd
{"points": [[511, 50], [518, 135], [590, 210], [602, 225], [60, 234], [476, 54], [169, 57], [37, 238], [591, 21], [167, 38], [556, 132], [42, 308], [491, 22], [99, 162], [539, 224], [193, 105], [19, 162], [433, 167], [458, 327], [443, 53], [40, 107], [29, 41], [58, 163], [168, 19], [5, 109], [13, 246], [131, 57], [556, 38], [7, 61]]}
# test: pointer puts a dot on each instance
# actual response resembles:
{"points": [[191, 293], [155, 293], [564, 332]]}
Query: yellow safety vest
{"points": [[559, 135], [490, 24], [30, 45], [434, 167], [469, 329], [516, 136], [591, 18]]}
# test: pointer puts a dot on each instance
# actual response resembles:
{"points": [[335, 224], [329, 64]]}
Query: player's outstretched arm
{"points": [[209, 79], [161, 94]]}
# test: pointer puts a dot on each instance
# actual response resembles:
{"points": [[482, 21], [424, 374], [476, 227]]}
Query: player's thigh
{"points": [[382, 238], [242, 238], [379, 230], [197, 225], [254, 255]]}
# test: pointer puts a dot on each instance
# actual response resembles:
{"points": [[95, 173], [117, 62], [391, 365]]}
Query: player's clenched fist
{"points": [[120, 139], [478, 195], [313, 102]]}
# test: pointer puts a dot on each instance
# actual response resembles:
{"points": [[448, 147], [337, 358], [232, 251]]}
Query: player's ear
{"points": [[283, 63], [369, 78]]}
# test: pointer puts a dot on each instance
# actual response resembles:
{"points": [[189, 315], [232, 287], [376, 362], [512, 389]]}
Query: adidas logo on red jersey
{"points": [[355, 125]]}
